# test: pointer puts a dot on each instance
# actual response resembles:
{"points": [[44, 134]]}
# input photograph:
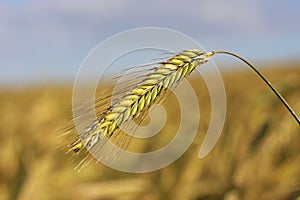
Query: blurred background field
{"points": [[43, 43], [257, 156]]}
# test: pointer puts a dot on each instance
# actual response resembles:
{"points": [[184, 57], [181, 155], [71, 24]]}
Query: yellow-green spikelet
{"points": [[139, 99]]}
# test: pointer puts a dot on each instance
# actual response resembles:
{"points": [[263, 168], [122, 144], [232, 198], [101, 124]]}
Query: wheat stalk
{"points": [[264, 79], [136, 101]]}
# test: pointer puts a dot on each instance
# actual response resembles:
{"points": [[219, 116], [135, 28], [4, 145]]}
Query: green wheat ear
{"points": [[136, 101]]}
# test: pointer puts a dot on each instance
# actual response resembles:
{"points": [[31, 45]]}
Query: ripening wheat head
{"points": [[134, 102]]}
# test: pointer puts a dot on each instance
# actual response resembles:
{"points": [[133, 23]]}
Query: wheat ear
{"points": [[137, 101]]}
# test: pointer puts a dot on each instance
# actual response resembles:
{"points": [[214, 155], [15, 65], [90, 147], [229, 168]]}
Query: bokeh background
{"points": [[43, 43]]}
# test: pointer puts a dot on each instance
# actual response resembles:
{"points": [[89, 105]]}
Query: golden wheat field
{"points": [[257, 156]]}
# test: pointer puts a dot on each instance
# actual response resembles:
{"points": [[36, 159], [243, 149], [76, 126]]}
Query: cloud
{"points": [[59, 33], [61, 22], [93, 10], [54, 19], [242, 16]]}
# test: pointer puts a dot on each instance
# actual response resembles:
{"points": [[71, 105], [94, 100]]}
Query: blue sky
{"points": [[48, 40]]}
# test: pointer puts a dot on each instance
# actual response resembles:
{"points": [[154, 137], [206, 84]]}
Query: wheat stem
{"points": [[264, 79]]}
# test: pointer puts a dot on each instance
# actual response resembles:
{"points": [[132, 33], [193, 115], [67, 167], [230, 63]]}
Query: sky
{"points": [[46, 41]]}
